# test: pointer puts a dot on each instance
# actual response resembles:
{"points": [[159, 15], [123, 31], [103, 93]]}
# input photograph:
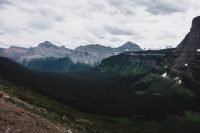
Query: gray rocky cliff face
{"points": [[189, 46]]}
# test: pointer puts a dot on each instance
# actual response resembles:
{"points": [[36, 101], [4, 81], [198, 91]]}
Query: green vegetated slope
{"points": [[56, 65], [139, 62], [153, 69]]}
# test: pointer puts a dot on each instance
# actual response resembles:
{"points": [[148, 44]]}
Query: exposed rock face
{"points": [[93, 54], [196, 24], [44, 50], [13, 52], [190, 44], [47, 44], [192, 40]]}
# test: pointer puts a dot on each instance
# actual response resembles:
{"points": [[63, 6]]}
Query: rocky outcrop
{"points": [[189, 46], [192, 40]]}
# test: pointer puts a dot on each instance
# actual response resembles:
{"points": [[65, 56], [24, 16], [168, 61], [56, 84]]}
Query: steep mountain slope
{"points": [[190, 45], [14, 119], [131, 63], [187, 61]]}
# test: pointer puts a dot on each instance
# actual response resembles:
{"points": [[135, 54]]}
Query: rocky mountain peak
{"points": [[190, 44], [129, 46], [129, 43], [196, 24], [47, 44], [192, 40], [15, 47]]}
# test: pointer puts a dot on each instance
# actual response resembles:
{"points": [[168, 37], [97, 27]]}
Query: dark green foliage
{"points": [[57, 65]]}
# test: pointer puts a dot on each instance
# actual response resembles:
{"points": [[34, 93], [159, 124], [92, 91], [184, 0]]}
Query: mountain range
{"points": [[49, 57]]}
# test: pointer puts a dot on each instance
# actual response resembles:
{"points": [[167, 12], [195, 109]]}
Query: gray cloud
{"points": [[125, 7], [164, 7], [118, 31], [40, 25], [59, 18], [3, 3], [156, 7], [1, 32], [110, 22]]}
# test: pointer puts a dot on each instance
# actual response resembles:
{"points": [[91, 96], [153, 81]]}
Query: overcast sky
{"points": [[149, 23]]}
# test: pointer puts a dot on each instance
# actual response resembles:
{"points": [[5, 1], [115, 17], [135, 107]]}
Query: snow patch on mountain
{"points": [[164, 75]]}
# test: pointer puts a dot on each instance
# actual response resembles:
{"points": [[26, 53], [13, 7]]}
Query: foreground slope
{"points": [[77, 122], [14, 119]]}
